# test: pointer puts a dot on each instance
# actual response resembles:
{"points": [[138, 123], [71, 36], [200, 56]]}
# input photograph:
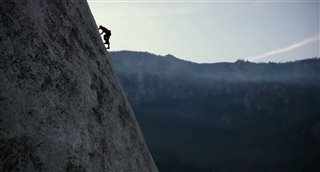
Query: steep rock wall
{"points": [[61, 107]]}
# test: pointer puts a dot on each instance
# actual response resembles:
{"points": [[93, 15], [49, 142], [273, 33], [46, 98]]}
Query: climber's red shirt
{"points": [[105, 30]]}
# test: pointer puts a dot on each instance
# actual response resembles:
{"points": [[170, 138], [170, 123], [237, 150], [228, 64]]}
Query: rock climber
{"points": [[106, 35]]}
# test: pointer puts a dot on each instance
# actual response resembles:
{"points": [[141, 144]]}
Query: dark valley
{"points": [[225, 117]]}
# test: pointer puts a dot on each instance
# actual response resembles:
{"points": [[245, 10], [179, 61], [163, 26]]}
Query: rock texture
{"points": [[61, 107]]}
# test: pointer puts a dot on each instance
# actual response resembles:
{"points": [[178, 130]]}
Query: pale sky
{"points": [[214, 31]]}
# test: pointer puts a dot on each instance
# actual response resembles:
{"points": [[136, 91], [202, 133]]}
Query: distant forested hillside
{"points": [[225, 117]]}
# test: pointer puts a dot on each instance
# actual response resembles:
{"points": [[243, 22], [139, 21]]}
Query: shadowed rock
{"points": [[61, 107]]}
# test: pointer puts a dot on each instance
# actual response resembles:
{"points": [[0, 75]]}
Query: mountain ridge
{"points": [[133, 62], [208, 63], [226, 117]]}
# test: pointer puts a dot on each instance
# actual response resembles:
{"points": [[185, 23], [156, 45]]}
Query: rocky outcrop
{"points": [[61, 107]]}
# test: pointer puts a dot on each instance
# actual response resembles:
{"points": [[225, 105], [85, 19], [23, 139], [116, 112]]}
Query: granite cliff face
{"points": [[61, 107]]}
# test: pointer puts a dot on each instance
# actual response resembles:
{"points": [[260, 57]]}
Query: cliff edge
{"points": [[61, 106]]}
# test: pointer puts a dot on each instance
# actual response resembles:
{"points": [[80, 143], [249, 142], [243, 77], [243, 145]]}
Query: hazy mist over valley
{"points": [[239, 116]]}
